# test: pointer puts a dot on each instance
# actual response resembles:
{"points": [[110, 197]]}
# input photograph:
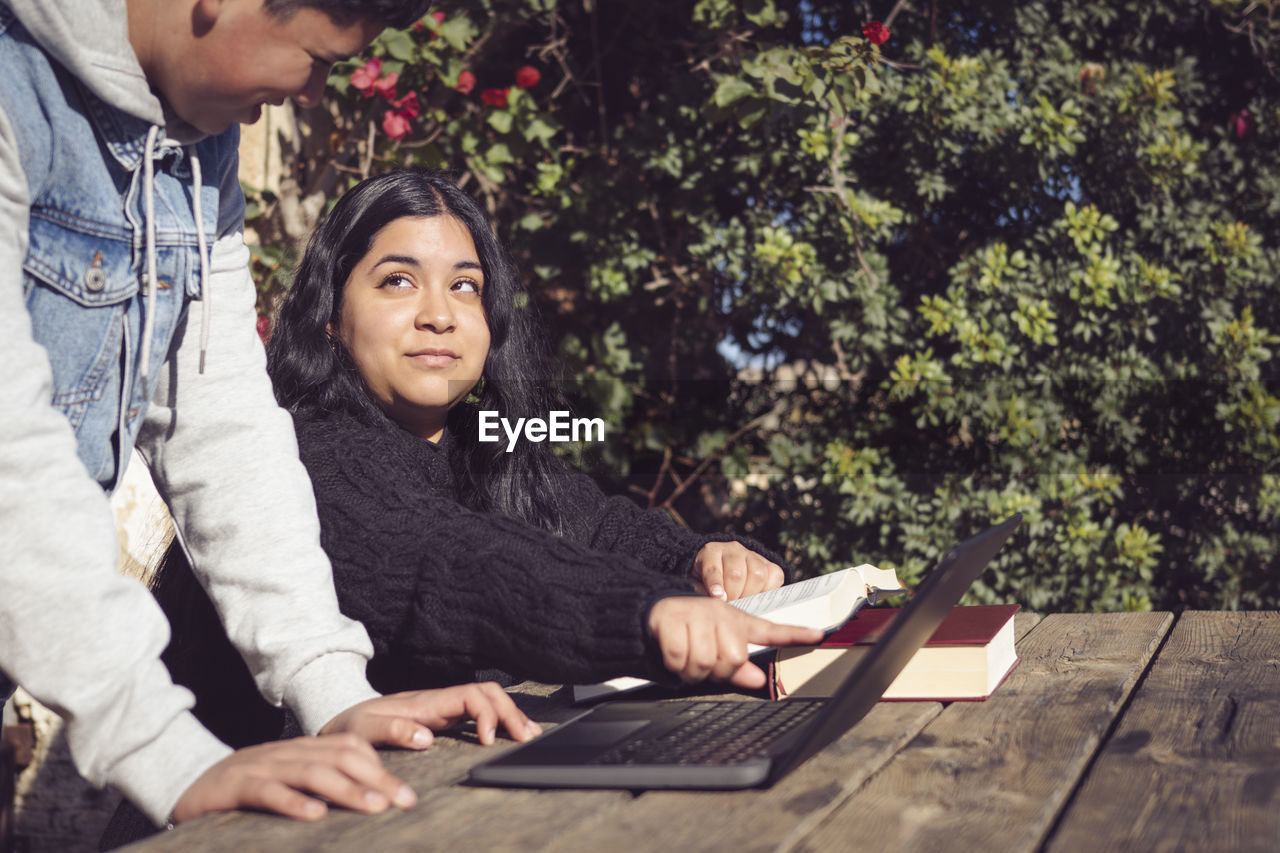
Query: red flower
{"points": [[264, 328], [364, 77], [395, 124], [466, 82], [386, 86], [408, 105], [1243, 122], [495, 97], [527, 76], [876, 32]]}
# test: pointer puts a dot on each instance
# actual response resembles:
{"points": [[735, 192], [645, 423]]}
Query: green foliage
{"points": [[863, 301]]}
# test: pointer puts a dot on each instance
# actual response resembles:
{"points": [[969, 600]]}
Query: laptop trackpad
{"points": [[589, 733]]}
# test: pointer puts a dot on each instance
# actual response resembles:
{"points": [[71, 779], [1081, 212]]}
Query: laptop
{"points": [[735, 743]]}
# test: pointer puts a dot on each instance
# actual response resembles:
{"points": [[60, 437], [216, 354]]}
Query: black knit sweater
{"points": [[444, 590]]}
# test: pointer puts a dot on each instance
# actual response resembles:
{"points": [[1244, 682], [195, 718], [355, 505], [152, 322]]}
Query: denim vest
{"points": [[86, 259]]}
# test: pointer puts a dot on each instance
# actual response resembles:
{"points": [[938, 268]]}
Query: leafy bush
{"points": [[860, 300]]}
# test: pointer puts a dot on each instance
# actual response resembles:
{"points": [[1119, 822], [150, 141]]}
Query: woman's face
{"points": [[413, 322]]}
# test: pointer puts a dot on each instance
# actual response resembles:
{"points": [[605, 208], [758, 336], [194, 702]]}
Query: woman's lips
{"points": [[434, 357]]}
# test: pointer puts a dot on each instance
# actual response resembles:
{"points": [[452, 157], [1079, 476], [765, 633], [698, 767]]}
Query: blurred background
{"points": [[860, 278]]}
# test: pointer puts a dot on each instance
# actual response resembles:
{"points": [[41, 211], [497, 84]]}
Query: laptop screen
{"points": [[929, 605]]}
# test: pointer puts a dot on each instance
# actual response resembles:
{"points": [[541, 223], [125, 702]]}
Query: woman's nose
{"points": [[435, 312]]}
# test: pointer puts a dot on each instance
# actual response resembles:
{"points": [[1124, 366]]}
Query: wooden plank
{"points": [[761, 820], [994, 775], [450, 816], [1195, 762]]}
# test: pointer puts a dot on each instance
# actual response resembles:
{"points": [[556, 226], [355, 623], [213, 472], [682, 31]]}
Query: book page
{"points": [[764, 603], [792, 593]]}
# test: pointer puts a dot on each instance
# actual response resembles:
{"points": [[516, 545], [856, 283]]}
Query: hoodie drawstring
{"points": [[204, 254], [149, 227]]}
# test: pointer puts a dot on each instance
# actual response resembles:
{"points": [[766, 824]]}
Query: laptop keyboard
{"points": [[715, 733]]}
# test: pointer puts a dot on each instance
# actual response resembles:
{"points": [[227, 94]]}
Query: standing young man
{"points": [[127, 316]]}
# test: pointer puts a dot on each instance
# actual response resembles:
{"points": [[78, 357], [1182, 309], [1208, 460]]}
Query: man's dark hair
{"points": [[392, 13]]}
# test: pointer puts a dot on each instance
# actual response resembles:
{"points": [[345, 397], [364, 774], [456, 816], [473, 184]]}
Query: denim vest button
{"points": [[94, 279]]}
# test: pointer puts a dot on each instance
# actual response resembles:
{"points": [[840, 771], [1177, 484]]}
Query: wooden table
{"points": [[1131, 732]]}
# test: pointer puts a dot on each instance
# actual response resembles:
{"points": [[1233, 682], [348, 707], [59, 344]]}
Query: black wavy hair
{"points": [[391, 13], [314, 375]]}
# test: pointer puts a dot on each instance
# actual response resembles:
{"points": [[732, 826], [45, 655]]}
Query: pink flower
{"points": [[1243, 122], [366, 75], [527, 76], [466, 82], [495, 97], [264, 328], [421, 24], [395, 124], [876, 32], [386, 86], [408, 106], [1091, 73]]}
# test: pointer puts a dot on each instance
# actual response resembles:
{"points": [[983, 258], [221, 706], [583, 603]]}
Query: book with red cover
{"points": [[966, 658]]}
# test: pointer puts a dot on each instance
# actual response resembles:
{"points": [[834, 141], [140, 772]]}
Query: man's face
{"points": [[242, 57]]}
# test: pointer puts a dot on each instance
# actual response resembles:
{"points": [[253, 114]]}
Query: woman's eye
{"points": [[396, 282], [467, 285]]}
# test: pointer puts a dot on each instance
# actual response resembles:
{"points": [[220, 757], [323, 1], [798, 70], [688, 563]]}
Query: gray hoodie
{"points": [[78, 636]]}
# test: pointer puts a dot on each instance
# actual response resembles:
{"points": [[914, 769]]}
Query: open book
{"points": [[825, 602]]}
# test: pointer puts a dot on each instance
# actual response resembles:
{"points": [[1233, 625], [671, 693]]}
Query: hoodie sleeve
{"points": [[225, 459], [78, 636]]}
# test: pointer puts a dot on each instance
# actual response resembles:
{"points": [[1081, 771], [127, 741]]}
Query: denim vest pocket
{"points": [[78, 283]]}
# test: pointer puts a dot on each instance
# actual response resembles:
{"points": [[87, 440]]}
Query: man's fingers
{"points": [[339, 786], [342, 769], [274, 796], [387, 730], [517, 724], [355, 778]]}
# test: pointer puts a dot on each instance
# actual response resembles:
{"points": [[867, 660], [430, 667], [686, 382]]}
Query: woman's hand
{"points": [[406, 719], [728, 571], [704, 638]]}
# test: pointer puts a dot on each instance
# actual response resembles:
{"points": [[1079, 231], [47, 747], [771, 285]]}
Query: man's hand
{"points": [[728, 571], [342, 769], [704, 638], [340, 766], [406, 719]]}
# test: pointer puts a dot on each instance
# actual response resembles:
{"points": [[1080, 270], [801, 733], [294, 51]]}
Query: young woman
{"points": [[402, 325]]}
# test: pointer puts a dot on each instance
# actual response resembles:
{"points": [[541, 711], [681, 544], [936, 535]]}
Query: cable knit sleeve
{"points": [[617, 524], [450, 588]]}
